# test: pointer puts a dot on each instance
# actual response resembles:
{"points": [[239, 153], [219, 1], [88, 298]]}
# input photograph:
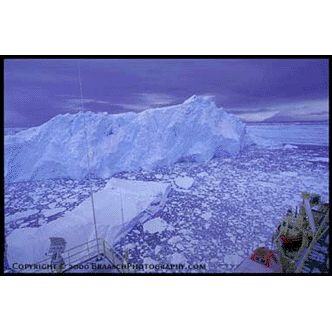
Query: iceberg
{"points": [[196, 130]]}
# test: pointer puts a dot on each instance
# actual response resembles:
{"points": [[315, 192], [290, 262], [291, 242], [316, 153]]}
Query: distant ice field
{"points": [[293, 133]]}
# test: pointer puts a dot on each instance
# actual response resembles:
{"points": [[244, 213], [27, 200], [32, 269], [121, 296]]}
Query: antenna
{"points": [[88, 153], [126, 254], [122, 212]]}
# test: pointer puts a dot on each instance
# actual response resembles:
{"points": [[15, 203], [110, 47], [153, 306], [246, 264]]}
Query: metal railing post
{"points": [[112, 254], [68, 257]]}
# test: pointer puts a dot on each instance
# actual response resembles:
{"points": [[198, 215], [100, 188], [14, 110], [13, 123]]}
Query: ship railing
{"points": [[72, 256], [81, 254], [119, 261]]}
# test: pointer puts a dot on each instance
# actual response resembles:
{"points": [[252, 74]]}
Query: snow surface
{"points": [[29, 245], [195, 130]]}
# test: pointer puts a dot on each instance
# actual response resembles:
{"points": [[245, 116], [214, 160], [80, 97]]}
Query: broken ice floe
{"points": [[20, 215], [184, 182], [290, 146], [324, 160], [156, 225], [232, 259]]}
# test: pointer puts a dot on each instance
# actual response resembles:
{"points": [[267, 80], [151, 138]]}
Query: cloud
{"points": [[307, 110], [133, 107], [156, 98], [244, 111], [305, 107], [75, 103], [258, 117], [144, 101]]}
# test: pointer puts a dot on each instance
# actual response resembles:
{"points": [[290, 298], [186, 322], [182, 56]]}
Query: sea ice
{"points": [[119, 198], [178, 258], [290, 146], [148, 260], [174, 239], [184, 182], [289, 174], [233, 259], [157, 249], [156, 225], [207, 215], [20, 215], [325, 160], [48, 213], [202, 174]]}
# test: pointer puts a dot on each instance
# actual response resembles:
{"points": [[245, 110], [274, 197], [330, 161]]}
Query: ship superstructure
{"points": [[302, 236], [301, 241]]}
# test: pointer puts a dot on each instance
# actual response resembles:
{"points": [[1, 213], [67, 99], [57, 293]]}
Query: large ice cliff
{"points": [[196, 130]]}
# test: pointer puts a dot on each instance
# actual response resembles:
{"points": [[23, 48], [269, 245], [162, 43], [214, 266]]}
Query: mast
{"points": [[307, 207], [88, 157], [122, 212]]}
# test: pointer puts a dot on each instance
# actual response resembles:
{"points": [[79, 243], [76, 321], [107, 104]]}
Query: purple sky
{"points": [[256, 89]]}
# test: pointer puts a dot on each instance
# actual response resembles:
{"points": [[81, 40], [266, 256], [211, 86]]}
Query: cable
{"points": [[88, 153]]}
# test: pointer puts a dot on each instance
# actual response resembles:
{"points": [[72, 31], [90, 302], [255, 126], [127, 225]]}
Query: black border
{"points": [[129, 57]]}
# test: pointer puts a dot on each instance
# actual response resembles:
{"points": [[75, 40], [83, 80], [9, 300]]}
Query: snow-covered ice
{"points": [[20, 215], [177, 258], [184, 182], [233, 259], [324, 160], [290, 146], [29, 245], [52, 212], [206, 215], [174, 239], [290, 173], [155, 225]]}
